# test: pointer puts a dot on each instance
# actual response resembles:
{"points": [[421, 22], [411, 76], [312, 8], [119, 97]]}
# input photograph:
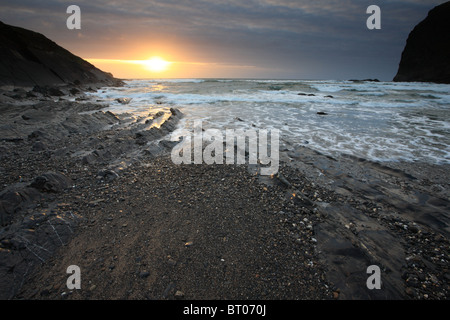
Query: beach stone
{"points": [[89, 159], [169, 290], [124, 100], [51, 182], [171, 262], [409, 291], [413, 227], [107, 174], [39, 146]]}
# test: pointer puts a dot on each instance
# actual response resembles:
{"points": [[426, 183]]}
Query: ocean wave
{"points": [[379, 121]]}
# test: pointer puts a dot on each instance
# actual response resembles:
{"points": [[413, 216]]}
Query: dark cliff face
{"points": [[426, 57], [28, 58]]}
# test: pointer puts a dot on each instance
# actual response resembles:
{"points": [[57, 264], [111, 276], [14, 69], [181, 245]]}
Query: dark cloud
{"points": [[298, 39]]}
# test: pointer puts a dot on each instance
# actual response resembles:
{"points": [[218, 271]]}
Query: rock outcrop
{"points": [[427, 52], [28, 58]]}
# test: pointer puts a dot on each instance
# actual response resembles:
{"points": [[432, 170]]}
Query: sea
{"points": [[377, 121]]}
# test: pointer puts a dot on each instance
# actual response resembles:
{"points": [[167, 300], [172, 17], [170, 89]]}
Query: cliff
{"points": [[28, 58], [426, 57]]}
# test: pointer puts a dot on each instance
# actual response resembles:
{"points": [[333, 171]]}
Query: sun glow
{"points": [[156, 64], [158, 67]]}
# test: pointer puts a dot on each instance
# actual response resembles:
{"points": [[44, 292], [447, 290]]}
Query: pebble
{"points": [[171, 262], [409, 291]]}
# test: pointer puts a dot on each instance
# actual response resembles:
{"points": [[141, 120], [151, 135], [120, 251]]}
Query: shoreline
{"points": [[141, 227]]}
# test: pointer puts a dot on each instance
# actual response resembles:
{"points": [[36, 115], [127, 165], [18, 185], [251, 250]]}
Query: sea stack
{"points": [[28, 58], [426, 57]]}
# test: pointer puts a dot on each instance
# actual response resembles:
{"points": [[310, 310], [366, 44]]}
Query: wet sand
{"points": [[91, 189]]}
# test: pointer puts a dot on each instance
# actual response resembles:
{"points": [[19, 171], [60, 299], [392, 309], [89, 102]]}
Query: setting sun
{"points": [[156, 64]]}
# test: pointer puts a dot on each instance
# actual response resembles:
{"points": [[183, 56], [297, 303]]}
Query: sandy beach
{"points": [[81, 186]]}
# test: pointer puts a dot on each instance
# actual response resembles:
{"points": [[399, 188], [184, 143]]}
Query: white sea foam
{"points": [[383, 121]]}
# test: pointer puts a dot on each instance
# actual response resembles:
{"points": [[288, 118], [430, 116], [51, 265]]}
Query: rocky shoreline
{"points": [[85, 187]]}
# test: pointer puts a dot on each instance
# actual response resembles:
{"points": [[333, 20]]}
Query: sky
{"points": [[270, 39]]}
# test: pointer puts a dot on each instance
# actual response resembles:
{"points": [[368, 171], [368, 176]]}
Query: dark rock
{"points": [[167, 144], [176, 112], [364, 80], [409, 291], [159, 114], [169, 289], [425, 57], [35, 134], [141, 138], [48, 91], [124, 100], [51, 182], [30, 94], [322, 113], [55, 92], [413, 227], [89, 159], [153, 150], [15, 198], [39, 89], [45, 293], [17, 94], [29, 58], [39, 146], [74, 91], [107, 174]]}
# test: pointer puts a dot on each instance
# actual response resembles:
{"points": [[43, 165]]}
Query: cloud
{"points": [[279, 33]]}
